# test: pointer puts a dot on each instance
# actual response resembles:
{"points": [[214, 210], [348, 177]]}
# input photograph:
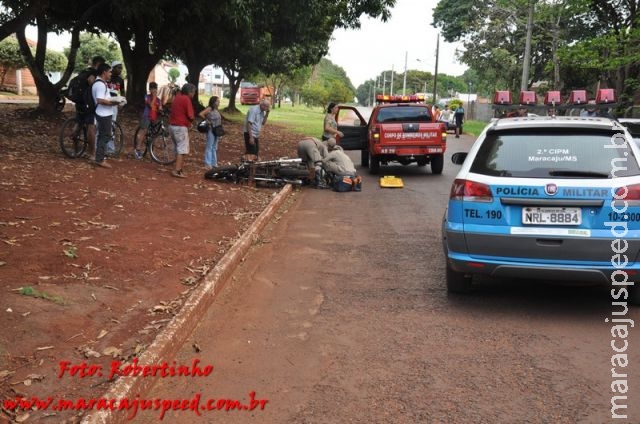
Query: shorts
{"points": [[251, 149], [84, 115], [181, 136]]}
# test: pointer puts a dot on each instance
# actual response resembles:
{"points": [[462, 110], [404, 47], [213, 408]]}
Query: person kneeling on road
{"points": [[340, 168], [336, 161], [311, 150]]}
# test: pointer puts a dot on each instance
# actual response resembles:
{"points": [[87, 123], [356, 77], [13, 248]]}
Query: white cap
{"points": [[115, 63]]}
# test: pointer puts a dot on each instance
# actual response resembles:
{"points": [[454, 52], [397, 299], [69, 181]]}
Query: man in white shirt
{"points": [[104, 111]]}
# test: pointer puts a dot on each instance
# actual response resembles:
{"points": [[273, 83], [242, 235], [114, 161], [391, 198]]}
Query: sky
{"points": [[378, 46]]}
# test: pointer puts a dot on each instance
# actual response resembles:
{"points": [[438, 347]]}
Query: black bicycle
{"points": [[158, 142], [273, 173], [73, 139]]}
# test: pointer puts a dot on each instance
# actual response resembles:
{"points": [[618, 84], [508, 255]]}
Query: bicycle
{"points": [[276, 172], [73, 138], [160, 145]]}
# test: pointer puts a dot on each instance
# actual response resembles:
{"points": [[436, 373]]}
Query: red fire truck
{"points": [[401, 129]]}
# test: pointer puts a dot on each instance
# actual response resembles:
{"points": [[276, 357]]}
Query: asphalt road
{"points": [[340, 314]]}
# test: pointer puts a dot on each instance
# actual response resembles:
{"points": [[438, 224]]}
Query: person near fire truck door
{"points": [[330, 123]]}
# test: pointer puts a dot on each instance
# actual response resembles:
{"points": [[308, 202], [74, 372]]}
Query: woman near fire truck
{"points": [[330, 123]]}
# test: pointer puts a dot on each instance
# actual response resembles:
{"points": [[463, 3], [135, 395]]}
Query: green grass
{"points": [[474, 127], [308, 121], [31, 292], [300, 119]]}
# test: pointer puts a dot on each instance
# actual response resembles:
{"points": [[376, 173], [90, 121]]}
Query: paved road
{"points": [[340, 315]]}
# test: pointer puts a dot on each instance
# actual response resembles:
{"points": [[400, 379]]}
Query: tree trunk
{"points": [[234, 86]]}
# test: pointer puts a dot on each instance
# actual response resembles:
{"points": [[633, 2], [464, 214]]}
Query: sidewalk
{"points": [[169, 342]]}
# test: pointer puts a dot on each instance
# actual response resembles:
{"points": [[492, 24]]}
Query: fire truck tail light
{"points": [[470, 191], [375, 134]]}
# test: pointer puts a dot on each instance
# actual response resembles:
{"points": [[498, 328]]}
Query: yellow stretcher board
{"points": [[389, 181]]}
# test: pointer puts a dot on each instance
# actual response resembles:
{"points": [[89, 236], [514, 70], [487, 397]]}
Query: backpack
{"points": [[89, 101], [74, 90]]}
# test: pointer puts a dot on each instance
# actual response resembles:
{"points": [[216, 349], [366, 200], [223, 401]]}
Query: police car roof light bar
{"points": [[605, 95], [528, 98]]}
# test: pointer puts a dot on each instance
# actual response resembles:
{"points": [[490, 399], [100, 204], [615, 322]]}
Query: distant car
{"points": [[633, 125], [551, 198]]}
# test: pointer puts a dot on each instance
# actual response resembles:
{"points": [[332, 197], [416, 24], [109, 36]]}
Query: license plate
{"points": [[551, 216], [434, 150]]}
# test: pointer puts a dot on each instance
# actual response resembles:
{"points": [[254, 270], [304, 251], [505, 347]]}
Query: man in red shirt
{"points": [[181, 117]]}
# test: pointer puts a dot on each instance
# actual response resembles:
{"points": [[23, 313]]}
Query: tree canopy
{"points": [[241, 36], [575, 43]]}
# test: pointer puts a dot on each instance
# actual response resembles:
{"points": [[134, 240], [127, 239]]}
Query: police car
{"points": [[547, 198]]}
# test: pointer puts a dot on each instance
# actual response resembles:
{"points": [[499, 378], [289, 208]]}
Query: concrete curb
{"points": [[168, 342]]}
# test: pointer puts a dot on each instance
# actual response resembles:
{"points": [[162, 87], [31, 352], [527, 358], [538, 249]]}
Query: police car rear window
{"points": [[566, 153], [404, 114]]}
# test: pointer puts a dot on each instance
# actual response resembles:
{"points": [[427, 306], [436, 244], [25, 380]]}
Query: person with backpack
{"points": [[80, 94], [104, 104]]}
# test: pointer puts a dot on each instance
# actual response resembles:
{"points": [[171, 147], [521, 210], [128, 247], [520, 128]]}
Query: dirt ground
{"points": [[93, 261]]}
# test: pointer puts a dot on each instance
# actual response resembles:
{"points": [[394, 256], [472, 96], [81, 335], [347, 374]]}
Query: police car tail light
{"points": [[605, 95], [627, 193], [470, 191]]}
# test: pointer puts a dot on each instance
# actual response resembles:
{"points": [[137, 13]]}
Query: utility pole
{"points": [[527, 48], [391, 92], [384, 82], [404, 83], [435, 75]]}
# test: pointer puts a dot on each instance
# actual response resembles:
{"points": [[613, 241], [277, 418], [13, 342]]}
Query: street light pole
{"points": [[391, 92]]}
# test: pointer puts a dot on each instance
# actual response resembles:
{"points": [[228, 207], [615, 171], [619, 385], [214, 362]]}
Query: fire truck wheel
{"points": [[374, 165], [437, 163], [364, 158]]}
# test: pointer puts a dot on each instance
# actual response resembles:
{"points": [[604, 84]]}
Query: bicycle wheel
{"points": [[141, 146], [163, 149], [72, 138], [225, 172], [118, 140]]}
